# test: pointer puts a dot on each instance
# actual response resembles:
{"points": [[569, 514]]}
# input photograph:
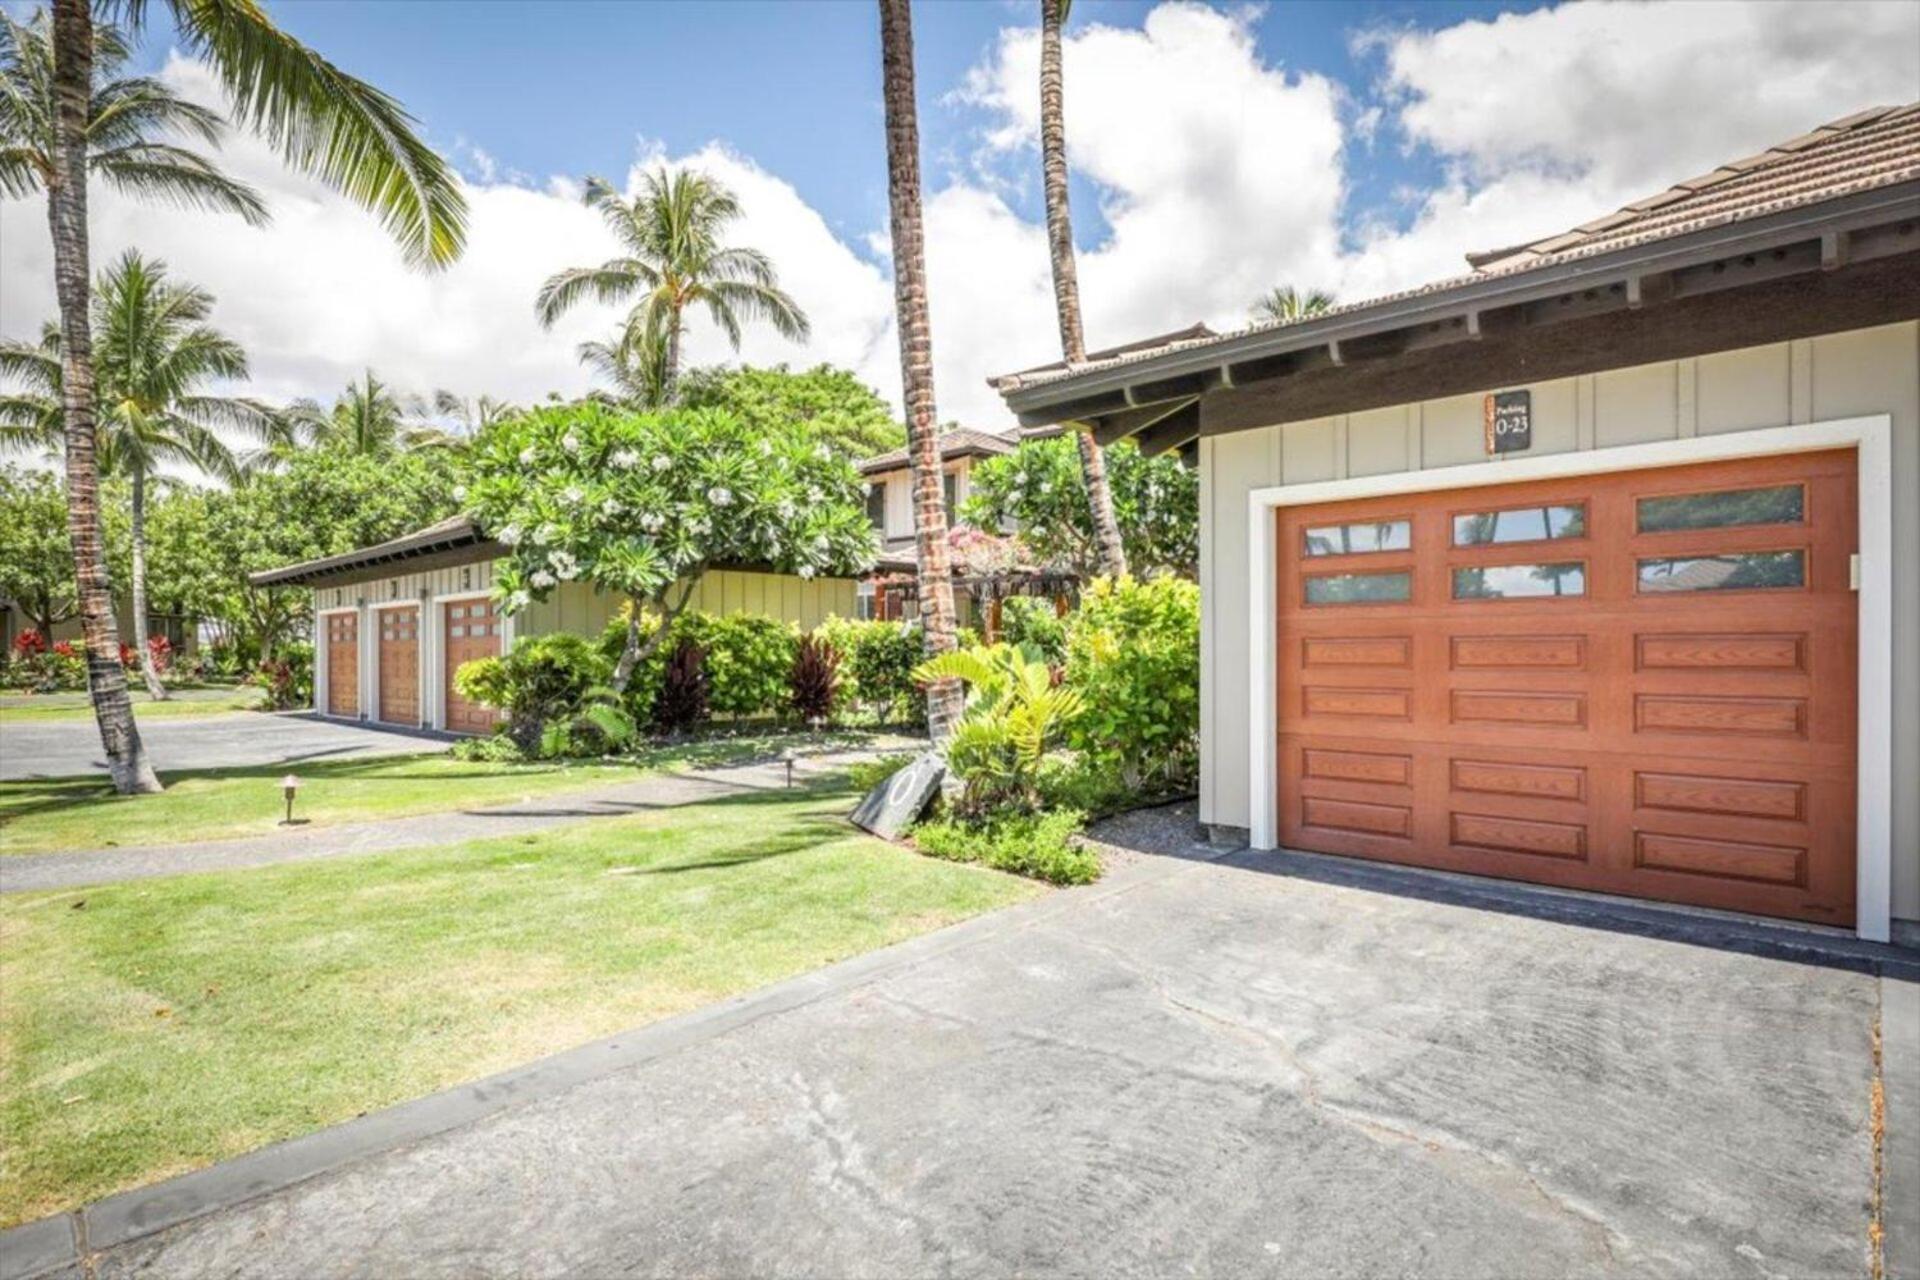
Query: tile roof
{"points": [[1873, 148], [958, 443]]}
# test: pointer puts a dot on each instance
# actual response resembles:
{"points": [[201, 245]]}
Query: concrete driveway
{"points": [[1192, 1068], [67, 748]]}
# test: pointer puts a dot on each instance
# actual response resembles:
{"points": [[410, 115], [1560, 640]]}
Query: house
{"points": [[394, 621], [1578, 568], [886, 592]]}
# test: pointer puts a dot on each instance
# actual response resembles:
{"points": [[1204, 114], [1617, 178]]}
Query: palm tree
{"points": [[632, 364], [153, 355], [368, 418], [128, 122], [946, 699], [673, 260], [1286, 304], [1066, 283], [326, 123], [473, 416]]}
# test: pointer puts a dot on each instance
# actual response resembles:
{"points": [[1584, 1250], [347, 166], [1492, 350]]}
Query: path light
{"points": [[288, 786]]}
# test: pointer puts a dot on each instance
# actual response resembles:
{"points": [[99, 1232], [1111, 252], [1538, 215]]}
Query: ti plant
{"points": [[1015, 715]]}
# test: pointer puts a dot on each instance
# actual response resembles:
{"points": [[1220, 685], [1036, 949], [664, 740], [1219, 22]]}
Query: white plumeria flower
{"points": [[661, 462], [766, 448], [1015, 496], [652, 521], [527, 456], [546, 532], [572, 493], [826, 454], [720, 497], [625, 459], [459, 493], [517, 600], [806, 571], [610, 506], [570, 442], [509, 534], [1045, 487], [541, 579]]}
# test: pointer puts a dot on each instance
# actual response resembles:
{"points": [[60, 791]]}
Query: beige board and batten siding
{"points": [[577, 607], [1841, 375]]}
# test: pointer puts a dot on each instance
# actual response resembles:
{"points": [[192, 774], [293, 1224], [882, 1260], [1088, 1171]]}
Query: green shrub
{"points": [[1032, 620], [541, 680], [876, 668], [1036, 845], [1133, 654], [748, 660], [287, 678]]}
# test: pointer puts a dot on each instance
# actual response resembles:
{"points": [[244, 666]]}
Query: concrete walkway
{"points": [[27, 872], [1192, 1068], [37, 749]]}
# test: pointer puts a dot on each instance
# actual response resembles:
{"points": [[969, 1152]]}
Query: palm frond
{"points": [[170, 175], [327, 123], [613, 281]]}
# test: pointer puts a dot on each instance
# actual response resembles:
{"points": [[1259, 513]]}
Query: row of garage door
{"points": [[1641, 683], [469, 629]]}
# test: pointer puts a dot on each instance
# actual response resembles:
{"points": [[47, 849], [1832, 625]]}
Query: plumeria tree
{"points": [[643, 504], [1038, 488]]}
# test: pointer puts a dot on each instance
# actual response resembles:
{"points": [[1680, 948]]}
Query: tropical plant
{"points": [[154, 355], [1110, 549], [672, 259], [814, 682], [1033, 621], [1039, 845], [1036, 489], [681, 701], [878, 659], [1133, 652], [324, 122], [471, 415], [1285, 304], [642, 504], [842, 411], [632, 365], [945, 699], [1015, 714]]}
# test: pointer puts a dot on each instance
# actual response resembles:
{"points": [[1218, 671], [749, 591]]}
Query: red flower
{"points": [[65, 649], [29, 643]]}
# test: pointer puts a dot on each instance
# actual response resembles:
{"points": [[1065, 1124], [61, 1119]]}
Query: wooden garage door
{"points": [[400, 665], [472, 629], [343, 664], [1641, 683]]}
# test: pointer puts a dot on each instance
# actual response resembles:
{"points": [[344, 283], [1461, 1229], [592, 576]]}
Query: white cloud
{"points": [[1550, 118]]}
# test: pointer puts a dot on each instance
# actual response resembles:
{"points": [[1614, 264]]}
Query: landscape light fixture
{"points": [[288, 786]]}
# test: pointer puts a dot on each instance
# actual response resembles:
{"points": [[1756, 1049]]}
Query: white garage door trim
{"points": [[1872, 436]]}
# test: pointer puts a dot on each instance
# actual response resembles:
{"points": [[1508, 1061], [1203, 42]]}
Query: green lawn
{"points": [[214, 804], [158, 1026], [20, 708]]}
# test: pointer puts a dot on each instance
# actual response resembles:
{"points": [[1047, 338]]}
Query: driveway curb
{"points": [[44, 1247], [1900, 1145]]}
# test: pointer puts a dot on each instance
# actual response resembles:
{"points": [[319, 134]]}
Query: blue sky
{"points": [[1218, 150]]}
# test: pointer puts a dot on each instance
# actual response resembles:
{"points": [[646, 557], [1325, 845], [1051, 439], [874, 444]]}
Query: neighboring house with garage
{"points": [[394, 621], [1579, 568]]}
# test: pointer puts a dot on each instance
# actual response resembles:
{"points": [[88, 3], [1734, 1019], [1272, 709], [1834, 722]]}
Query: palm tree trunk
{"points": [[155, 689], [670, 369], [945, 698], [1066, 282], [67, 217]]}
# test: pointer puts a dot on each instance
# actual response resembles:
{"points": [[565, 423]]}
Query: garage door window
{"points": [[1359, 539], [1360, 588], [1743, 571], [1521, 524], [1520, 581], [1728, 509]]}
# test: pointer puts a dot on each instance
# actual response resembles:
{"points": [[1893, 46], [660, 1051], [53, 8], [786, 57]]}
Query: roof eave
{"points": [[1053, 401]]}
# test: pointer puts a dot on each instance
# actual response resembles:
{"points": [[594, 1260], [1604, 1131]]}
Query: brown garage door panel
{"points": [[343, 664], [400, 665], [472, 630], [1673, 720]]}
